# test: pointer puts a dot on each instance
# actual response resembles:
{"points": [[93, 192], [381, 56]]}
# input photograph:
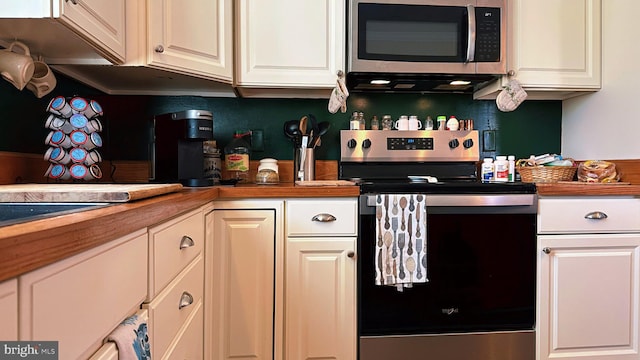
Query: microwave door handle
{"points": [[471, 38]]}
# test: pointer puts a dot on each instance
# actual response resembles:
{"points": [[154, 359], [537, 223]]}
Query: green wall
{"points": [[534, 128]]}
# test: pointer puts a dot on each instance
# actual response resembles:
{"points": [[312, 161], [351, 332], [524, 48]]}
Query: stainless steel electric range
{"points": [[446, 263]]}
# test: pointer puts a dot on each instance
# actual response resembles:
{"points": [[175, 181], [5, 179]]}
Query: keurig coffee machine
{"points": [[177, 154]]}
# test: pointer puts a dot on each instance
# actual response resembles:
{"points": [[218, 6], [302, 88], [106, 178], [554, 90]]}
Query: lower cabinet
{"points": [[80, 300], [320, 279], [9, 310], [282, 276], [588, 279], [176, 287], [243, 257]]}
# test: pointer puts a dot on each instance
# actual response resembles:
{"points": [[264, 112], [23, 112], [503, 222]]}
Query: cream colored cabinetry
{"points": [[9, 310], [191, 37], [554, 48], [588, 294], [176, 287], [244, 251], [173, 48], [289, 47], [80, 300], [320, 279], [83, 31]]}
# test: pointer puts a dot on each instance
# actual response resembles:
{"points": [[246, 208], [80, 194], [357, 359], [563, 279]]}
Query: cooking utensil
{"points": [[411, 267], [403, 205], [323, 127], [401, 246], [409, 246], [418, 251], [380, 266], [394, 227], [303, 125], [379, 217]]}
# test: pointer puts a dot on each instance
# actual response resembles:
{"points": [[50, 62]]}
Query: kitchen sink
{"points": [[14, 213]]}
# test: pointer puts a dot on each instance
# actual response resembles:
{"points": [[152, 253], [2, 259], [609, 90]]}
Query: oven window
{"points": [[481, 271], [411, 32]]}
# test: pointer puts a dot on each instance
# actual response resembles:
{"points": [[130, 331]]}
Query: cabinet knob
{"points": [[596, 215], [324, 218], [185, 300], [351, 254], [74, 2], [186, 242], [159, 49], [546, 250]]}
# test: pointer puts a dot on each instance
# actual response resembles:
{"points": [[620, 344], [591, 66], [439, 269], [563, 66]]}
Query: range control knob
{"points": [[366, 144], [351, 144], [467, 143], [454, 143]]}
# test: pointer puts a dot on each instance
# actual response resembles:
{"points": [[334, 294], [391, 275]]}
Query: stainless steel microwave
{"points": [[439, 37]]}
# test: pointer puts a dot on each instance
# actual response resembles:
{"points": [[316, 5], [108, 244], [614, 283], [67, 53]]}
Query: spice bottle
{"points": [[236, 157], [375, 124], [361, 122]]}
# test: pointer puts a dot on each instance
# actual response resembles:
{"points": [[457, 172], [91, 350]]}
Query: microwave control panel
{"points": [[487, 34]]}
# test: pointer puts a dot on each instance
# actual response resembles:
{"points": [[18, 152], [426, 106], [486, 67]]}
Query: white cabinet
{"points": [[176, 287], [191, 37], [554, 48], [320, 279], [9, 310], [80, 300], [288, 48], [588, 295], [244, 281], [83, 31]]}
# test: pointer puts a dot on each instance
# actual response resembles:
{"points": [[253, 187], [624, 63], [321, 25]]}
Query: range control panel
{"points": [[419, 145]]}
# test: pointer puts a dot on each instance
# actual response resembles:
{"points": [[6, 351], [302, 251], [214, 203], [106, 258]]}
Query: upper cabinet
{"points": [[191, 37], [289, 47], [82, 31], [554, 48]]}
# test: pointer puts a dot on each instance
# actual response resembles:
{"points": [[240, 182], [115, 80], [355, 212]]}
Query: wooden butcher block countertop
{"points": [[30, 245]]}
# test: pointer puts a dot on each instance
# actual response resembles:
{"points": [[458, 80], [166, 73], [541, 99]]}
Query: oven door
{"points": [[481, 264]]}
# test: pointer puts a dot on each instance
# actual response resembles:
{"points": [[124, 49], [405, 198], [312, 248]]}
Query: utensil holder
{"points": [[304, 164]]}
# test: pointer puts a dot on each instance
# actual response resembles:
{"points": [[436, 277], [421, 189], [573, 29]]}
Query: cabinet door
{"points": [[242, 305], [588, 297], [320, 307], [191, 37], [290, 43], [9, 310], [100, 21], [569, 56]]}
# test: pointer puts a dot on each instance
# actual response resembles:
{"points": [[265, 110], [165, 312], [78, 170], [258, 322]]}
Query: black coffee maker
{"points": [[177, 154]]}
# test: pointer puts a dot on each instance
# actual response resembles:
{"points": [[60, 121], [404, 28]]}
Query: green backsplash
{"points": [[534, 128]]}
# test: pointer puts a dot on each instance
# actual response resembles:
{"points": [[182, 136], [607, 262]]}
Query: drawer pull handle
{"points": [[324, 218], [185, 300], [596, 215], [186, 242], [546, 250], [159, 49], [351, 254]]}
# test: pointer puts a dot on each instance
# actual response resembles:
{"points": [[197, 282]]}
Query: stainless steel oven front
{"points": [[478, 301]]}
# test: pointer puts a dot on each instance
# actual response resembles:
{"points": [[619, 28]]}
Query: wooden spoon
{"points": [[303, 125]]}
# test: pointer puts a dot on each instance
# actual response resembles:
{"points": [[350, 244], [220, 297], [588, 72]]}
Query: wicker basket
{"points": [[546, 174]]}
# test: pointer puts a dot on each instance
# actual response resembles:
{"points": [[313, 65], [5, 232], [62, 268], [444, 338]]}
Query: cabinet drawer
{"points": [[173, 245], [189, 344], [304, 217], [571, 215], [166, 316], [80, 300]]}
